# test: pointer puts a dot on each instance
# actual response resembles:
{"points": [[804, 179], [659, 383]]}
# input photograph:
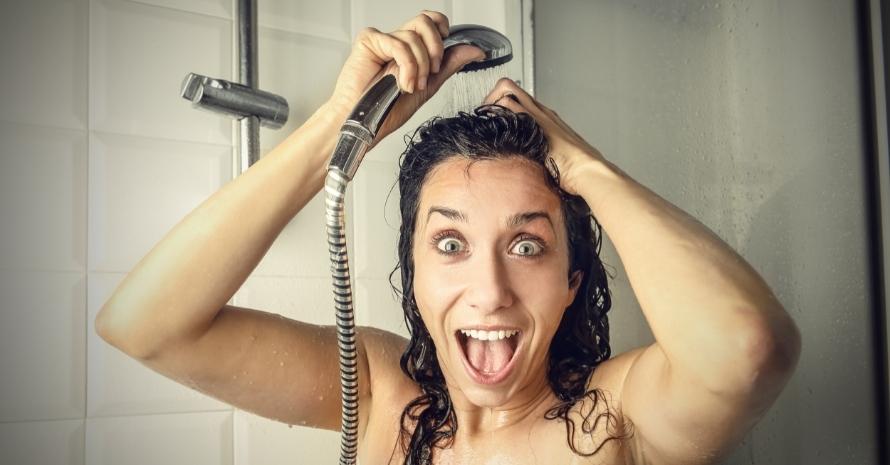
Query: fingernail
{"points": [[421, 84]]}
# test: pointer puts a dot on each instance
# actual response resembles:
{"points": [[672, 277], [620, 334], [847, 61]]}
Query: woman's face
{"points": [[491, 275]]}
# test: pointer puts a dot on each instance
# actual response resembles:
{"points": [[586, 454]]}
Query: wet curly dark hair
{"points": [[582, 340]]}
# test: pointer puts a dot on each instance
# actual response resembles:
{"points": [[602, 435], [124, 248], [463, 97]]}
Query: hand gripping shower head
{"points": [[356, 136], [362, 124]]}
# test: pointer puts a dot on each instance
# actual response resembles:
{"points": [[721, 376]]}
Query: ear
{"points": [[574, 285]]}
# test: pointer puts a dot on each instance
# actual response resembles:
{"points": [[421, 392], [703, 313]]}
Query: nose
{"points": [[489, 286]]}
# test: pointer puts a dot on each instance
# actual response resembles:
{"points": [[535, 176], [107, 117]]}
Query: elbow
{"points": [[108, 327], [103, 326], [769, 352]]}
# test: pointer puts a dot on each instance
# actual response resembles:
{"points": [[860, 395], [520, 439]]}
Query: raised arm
{"points": [[725, 346], [170, 311]]}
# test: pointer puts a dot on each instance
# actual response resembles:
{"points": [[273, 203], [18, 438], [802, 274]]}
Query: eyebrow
{"points": [[449, 213], [514, 221]]}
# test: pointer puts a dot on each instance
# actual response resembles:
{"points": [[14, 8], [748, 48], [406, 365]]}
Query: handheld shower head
{"points": [[356, 136], [497, 47], [361, 127]]}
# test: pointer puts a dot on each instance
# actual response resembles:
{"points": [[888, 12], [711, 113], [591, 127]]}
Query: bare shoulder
{"points": [[384, 350], [610, 428], [610, 374], [391, 391]]}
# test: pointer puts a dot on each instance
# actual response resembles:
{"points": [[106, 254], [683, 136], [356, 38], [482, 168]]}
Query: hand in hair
{"points": [[571, 153], [414, 54]]}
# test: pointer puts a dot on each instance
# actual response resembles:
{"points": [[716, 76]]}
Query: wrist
{"points": [[595, 179], [316, 137], [331, 113]]}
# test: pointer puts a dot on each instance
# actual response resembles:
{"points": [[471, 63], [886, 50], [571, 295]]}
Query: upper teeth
{"points": [[483, 335]]}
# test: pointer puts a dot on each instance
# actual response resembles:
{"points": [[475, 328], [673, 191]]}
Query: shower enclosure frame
{"points": [[874, 19]]}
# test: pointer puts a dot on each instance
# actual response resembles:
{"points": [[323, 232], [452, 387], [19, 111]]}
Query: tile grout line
{"points": [[86, 248], [227, 409], [235, 151]]}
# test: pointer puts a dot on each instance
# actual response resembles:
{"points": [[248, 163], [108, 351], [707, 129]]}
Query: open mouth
{"points": [[489, 354]]}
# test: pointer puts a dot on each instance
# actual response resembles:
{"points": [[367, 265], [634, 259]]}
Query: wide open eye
{"points": [[448, 243], [528, 248]]}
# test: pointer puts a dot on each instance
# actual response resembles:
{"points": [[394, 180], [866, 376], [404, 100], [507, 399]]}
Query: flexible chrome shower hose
{"points": [[356, 137], [335, 192]]}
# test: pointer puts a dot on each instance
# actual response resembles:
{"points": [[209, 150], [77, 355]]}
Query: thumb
{"points": [[456, 58]]}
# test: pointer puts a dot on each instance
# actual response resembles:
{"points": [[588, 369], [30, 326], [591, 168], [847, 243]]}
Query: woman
{"points": [[504, 294]]}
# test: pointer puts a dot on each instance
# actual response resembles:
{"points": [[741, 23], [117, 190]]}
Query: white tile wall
{"points": [[376, 193], [301, 248], [42, 349], [42, 442], [125, 222], [220, 8], [174, 439], [330, 19], [100, 157], [44, 75], [301, 298], [139, 55], [389, 15], [306, 78], [377, 305], [43, 179], [269, 442]]}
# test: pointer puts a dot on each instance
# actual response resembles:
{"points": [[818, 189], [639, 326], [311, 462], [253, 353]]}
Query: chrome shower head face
{"points": [[496, 46]]}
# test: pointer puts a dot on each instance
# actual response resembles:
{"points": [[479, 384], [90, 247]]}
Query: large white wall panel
{"points": [[268, 442], [377, 218], [139, 55], [388, 15], [221, 8], [140, 188], [42, 443], [300, 68], [175, 439], [42, 346], [301, 249], [306, 299], [378, 305], [329, 19], [43, 184], [43, 48]]}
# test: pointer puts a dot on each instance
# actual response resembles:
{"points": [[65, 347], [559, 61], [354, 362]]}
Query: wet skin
{"points": [[490, 251], [474, 267]]}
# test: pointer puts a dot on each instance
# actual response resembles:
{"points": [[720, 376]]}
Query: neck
{"points": [[524, 409]]}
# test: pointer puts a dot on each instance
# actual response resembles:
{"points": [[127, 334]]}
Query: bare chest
{"points": [[545, 441]]}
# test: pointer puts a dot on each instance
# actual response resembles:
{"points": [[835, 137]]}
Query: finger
{"points": [[367, 38], [432, 39], [441, 21], [509, 101], [389, 47], [421, 57], [508, 86], [455, 59]]}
